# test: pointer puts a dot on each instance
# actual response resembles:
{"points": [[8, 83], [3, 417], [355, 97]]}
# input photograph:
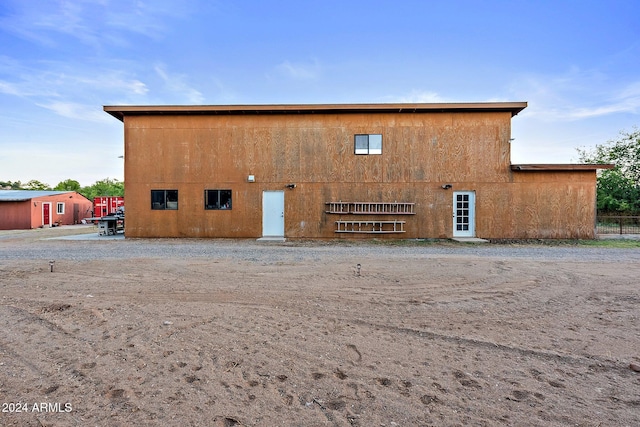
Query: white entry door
{"points": [[464, 214], [273, 213]]}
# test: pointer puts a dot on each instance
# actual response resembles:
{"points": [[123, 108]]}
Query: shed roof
{"points": [[119, 112], [22, 195], [560, 167]]}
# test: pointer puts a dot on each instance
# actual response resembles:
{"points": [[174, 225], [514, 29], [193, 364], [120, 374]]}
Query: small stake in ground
{"points": [[51, 265], [357, 269]]}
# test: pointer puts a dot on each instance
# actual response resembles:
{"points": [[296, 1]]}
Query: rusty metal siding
{"points": [[420, 153], [543, 204]]}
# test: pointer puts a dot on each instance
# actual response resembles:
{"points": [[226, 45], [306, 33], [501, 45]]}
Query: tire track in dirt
{"points": [[564, 358], [16, 345], [60, 364]]}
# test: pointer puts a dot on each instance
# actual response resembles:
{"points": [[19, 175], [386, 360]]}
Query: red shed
{"points": [[25, 209]]}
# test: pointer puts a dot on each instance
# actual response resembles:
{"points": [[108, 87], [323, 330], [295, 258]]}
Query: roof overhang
{"points": [[560, 167], [119, 112], [25, 195]]}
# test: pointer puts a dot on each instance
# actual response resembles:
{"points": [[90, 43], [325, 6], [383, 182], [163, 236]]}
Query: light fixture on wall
{"points": [[446, 186], [290, 186], [251, 178]]}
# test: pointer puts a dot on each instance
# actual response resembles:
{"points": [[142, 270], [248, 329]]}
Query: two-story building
{"points": [[327, 171]]}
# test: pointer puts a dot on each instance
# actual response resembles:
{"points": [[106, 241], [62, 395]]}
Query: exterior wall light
{"points": [[447, 186]]}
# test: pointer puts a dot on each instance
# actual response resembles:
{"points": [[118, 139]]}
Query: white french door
{"points": [[464, 213]]}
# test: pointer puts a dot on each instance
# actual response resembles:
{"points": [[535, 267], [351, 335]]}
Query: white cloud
{"points": [[54, 84], [576, 95], [300, 71], [418, 96], [9, 89], [133, 86], [430, 97], [176, 83], [570, 110], [42, 22], [92, 22], [145, 18], [76, 111], [113, 81], [603, 110]]}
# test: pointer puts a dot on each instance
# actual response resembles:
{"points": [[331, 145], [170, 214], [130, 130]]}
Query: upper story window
{"points": [[217, 199], [368, 144], [60, 208], [164, 199]]}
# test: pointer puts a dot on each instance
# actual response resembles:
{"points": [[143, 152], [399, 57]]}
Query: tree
{"points": [[8, 185], [619, 188], [68, 185], [36, 185], [106, 187]]}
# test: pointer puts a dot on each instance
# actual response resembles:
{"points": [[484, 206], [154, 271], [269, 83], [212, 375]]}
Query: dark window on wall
{"points": [[164, 199], [60, 208], [217, 199], [368, 144]]}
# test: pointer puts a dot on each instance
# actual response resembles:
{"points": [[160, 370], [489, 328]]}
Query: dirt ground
{"points": [[414, 338]]}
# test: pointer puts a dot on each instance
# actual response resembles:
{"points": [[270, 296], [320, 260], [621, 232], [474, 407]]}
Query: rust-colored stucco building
{"points": [[327, 171], [26, 209]]}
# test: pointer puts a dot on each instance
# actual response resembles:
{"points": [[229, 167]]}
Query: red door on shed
{"points": [[46, 213]]}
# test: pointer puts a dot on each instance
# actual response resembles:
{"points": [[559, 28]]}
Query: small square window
{"points": [[60, 208], [368, 144], [164, 199], [217, 199]]}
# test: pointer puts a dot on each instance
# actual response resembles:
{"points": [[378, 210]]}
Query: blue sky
{"points": [[577, 64]]}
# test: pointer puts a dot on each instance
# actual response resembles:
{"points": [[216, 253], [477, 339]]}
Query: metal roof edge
{"points": [[120, 111], [560, 167], [24, 195]]}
